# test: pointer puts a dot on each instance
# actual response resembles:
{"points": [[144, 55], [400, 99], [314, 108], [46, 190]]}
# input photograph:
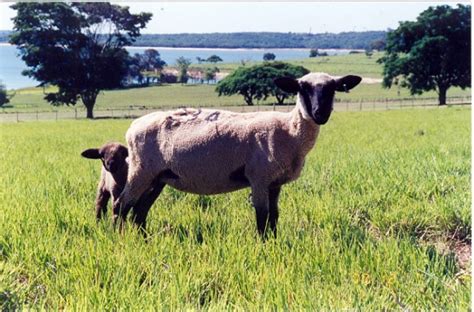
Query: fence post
{"points": [[75, 113], [360, 103], [17, 117], [37, 115], [347, 106]]}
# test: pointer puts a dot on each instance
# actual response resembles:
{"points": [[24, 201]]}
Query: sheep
{"points": [[113, 178], [216, 151]]}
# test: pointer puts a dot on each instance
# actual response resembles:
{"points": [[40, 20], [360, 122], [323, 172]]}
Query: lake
{"points": [[11, 65]]}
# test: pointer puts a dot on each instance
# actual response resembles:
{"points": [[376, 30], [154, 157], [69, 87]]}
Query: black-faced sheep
{"points": [[215, 151], [113, 178]]}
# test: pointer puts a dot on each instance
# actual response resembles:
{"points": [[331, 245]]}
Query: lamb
{"points": [[215, 151], [114, 177]]}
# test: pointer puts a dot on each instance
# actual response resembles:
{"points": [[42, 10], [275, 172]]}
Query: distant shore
{"points": [[4, 44]]}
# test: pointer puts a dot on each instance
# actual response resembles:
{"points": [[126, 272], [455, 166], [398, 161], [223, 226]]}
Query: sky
{"points": [[313, 17]]}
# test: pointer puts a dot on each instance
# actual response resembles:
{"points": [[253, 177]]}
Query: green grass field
{"points": [[374, 222], [175, 95]]}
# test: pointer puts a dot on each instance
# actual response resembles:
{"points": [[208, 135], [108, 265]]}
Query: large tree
{"points": [[77, 47], [431, 53], [256, 82]]}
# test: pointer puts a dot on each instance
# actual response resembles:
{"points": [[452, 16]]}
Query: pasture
{"points": [[379, 219]]}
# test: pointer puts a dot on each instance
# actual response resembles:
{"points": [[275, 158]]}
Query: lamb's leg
{"points": [[261, 204], [140, 211], [101, 201], [274, 193]]}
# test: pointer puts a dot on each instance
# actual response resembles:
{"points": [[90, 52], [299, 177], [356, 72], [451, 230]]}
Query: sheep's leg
{"points": [[260, 200], [134, 189], [274, 193], [140, 211], [101, 201]]}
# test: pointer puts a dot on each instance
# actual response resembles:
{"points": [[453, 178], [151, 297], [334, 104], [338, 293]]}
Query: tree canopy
{"points": [[77, 47], [214, 59], [256, 82], [431, 53], [269, 56]]}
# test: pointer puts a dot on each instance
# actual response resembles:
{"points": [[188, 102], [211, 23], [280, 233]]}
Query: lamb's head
{"points": [[113, 156], [316, 93]]}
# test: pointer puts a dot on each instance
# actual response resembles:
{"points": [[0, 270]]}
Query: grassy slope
{"points": [[205, 96], [357, 230]]}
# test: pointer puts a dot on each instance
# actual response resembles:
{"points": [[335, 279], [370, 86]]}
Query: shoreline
{"points": [[6, 44]]}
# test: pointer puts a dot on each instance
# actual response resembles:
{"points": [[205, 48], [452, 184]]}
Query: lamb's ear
{"points": [[344, 84], [287, 84], [92, 153]]}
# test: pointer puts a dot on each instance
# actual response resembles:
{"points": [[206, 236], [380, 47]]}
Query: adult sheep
{"points": [[216, 151]]}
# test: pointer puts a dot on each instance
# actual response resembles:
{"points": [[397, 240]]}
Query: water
{"points": [[11, 65]]}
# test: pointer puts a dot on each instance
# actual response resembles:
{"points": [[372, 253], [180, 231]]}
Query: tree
{"points": [[431, 53], [369, 52], [269, 57], [77, 47], [210, 74], [200, 59], [256, 82], [145, 67], [378, 45], [214, 59], [313, 53], [4, 97], [183, 64]]}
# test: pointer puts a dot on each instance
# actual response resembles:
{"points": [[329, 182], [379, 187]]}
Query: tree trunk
{"points": [[89, 101], [248, 100], [90, 113], [280, 99], [442, 95]]}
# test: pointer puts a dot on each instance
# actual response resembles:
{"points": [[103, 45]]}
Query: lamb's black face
{"points": [[318, 100], [112, 155]]}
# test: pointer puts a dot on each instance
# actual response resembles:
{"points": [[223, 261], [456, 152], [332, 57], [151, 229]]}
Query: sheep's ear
{"points": [[344, 84], [92, 153], [287, 84]]}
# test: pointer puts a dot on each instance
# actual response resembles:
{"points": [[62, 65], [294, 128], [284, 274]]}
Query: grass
{"points": [[361, 229], [31, 99]]}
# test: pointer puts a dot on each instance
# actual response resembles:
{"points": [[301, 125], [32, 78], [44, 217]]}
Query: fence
{"points": [[136, 111]]}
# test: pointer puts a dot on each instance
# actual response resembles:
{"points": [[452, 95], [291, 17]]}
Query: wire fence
{"points": [[137, 111]]}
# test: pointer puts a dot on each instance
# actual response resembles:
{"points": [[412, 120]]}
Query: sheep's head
{"points": [[316, 92], [113, 156]]}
